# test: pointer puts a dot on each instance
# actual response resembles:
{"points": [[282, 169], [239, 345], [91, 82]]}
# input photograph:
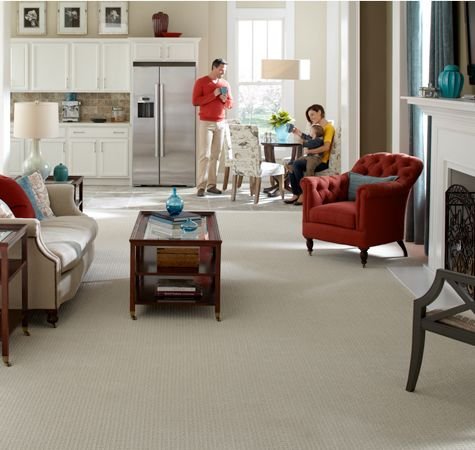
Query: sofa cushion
{"points": [[357, 180], [340, 214], [5, 211], [14, 196], [25, 184], [67, 237], [41, 194]]}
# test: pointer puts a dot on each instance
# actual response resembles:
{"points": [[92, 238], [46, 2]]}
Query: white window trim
{"points": [[234, 14]]}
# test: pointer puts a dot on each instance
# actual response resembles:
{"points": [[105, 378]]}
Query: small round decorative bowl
{"points": [[189, 226]]}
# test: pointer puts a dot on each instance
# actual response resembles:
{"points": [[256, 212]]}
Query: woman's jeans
{"points": [[299, 167]]}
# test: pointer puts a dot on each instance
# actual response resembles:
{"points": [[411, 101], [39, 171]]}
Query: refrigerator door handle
{"points": [[155, 114], [162, 149]]}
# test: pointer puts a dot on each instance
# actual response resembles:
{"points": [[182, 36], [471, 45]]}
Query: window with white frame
{"points": [[255, 34]]}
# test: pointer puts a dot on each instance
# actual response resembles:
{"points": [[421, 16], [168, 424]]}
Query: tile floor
{"points": [[128, 197]]}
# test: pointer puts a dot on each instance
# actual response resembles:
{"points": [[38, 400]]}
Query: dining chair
{"points": [[247, 160]]}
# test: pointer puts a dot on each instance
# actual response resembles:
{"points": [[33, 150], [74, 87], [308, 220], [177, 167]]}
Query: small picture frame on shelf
{"points": [[32, 18], [72, 18], [113, 18]]}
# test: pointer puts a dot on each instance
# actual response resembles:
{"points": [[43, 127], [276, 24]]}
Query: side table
{"points": [[77, 181], [9, 267]]}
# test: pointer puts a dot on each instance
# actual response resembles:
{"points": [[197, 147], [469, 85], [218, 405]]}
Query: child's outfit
{"points": [[314, 160]]}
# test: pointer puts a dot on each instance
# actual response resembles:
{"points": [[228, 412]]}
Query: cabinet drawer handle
{"points": [[78, 132], [118, 132]]}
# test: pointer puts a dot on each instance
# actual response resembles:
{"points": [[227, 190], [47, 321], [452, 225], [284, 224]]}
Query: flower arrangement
{"points": [[280, 118]]}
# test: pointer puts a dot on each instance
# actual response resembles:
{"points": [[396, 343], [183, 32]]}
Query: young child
{"points": [[314, 140]]}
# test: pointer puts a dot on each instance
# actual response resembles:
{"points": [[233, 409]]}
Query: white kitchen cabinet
{"points": [[19, 66], [49, 66], [165, 49], [53, 151], [67, 65], [113, 157], [83, 157], [99, 151], [14, 161], [115, 67], [85, 66]]}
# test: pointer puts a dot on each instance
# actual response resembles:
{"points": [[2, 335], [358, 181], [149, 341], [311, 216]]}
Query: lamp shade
{"points": [[286, 69], [35, 120]]}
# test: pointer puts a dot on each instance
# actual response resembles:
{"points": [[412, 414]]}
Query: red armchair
{"points": [[377, 215]]}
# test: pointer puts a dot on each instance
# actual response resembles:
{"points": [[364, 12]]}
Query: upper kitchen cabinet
{"points": [[49, 66], [116, 66], [65, 65], [165, 49], [19, 66], [100, 66]]}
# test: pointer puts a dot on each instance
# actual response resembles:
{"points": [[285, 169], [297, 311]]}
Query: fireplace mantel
{"points": [[452, 148]]}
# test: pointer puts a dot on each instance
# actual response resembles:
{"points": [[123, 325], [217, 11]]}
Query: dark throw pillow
{"points": [[14, 196]]}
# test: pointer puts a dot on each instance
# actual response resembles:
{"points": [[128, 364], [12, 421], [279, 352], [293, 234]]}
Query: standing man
{"points": [[213, 95]]}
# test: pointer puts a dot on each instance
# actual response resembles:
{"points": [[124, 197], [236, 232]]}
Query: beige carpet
{"points": [[312, 353]]}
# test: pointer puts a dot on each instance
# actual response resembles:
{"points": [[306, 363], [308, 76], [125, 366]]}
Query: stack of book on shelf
{"points": [[178, 257], [172, 224], [177, 289]]}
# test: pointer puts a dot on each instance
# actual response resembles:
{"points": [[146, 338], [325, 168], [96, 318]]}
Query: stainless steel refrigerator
{"points": [[164, 124]]}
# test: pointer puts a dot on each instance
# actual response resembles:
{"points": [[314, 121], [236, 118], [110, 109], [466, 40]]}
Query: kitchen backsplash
{"points": [[92, 105]]}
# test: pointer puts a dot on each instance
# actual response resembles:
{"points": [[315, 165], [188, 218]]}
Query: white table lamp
{"points": [[35, 120], [285, 69]]}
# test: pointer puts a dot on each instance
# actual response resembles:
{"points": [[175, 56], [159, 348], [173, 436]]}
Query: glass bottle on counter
{"points": [[117, 114]]}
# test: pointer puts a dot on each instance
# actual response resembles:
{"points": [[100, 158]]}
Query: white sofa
{"points": [[60, 251]]}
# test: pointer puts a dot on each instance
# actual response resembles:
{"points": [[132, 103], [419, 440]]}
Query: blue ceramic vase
{"points": [[450, 82], [60, 173], [281, 133], [174, 203]]}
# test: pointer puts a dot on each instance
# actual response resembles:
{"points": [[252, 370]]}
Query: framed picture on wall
{"points": [[31, 17], [72, 18], [113, 18]]}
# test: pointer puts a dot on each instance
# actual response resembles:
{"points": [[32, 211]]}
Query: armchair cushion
{"points": [[357, 180], [14, 196], [340, 214]]}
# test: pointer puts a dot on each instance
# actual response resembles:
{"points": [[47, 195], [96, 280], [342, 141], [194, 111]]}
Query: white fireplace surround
{"points": [[452, 148]]}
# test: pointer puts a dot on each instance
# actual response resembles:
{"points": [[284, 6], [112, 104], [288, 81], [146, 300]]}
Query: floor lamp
{"points": [[35, 120]]}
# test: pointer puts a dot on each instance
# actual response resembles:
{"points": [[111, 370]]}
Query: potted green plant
{"points": [[279, 121]]}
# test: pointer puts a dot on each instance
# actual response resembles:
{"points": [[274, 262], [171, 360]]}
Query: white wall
{"points": [[4, 82]]}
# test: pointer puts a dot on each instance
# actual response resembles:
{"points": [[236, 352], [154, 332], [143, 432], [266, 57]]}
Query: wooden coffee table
{"points": [[145, 272]]}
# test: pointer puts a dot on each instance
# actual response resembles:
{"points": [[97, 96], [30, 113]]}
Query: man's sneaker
{"points": [[200, 193], [214, 190]]}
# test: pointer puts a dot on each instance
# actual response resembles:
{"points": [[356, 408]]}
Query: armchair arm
{"points": [[381, 209], [326, 189], [61, 197]]}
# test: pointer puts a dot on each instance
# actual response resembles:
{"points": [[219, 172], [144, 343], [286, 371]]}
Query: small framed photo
{"points": [[72, 18], [31, 17], [113, 18]]}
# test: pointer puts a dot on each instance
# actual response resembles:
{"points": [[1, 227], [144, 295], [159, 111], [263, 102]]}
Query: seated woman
{"points": [[315, 114]]}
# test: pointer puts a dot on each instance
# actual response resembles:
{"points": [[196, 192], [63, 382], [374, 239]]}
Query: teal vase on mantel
{"points": [[281, 133], [174, 203], [450, 82]]}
